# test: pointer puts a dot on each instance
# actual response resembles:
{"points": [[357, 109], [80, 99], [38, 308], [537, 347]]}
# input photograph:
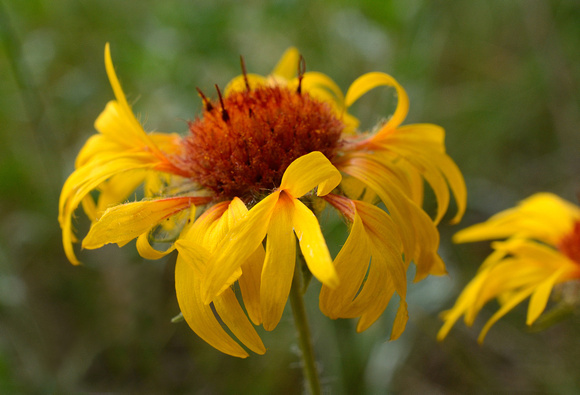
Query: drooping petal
{"points": [[515, 299], [420, 241], [422, 146], [517, 269], [87, 178], [309, 171], [238, 245], [250, 283], [198, 315], [231, 313], [369, 81], [370, 267], [279, 263], [400, 320], [313, 245], [462, 305], [125, 222], [351, 265], [540, 297], [385, 243]]}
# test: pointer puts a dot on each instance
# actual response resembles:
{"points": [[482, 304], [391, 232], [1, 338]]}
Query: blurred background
{"points": [[502, 77]]}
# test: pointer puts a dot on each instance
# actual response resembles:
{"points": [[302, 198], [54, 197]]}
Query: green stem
{"points": [[301, 323]]}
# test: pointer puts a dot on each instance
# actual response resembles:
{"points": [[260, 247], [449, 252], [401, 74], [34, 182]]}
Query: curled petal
{"points": [[309, 171], [199, 315], [351, 265], [250, 284], [320, 85], [147, 251], [84, 180], [540, 297], [369, 81], [231, 313]]}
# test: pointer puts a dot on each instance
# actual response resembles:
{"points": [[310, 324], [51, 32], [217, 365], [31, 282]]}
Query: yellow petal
{"points": [[375, 177], [426, 135], [541, 295], [456, 182], [385, 244], [238, 84], [374, 297], [250, 284], [467, 298], [369, 81], [351, 265], [421, 239], [516, 299], [203, 224], [120, 113], [313, 245], [147, 251], [422, 145], [198, 315], [309, 171], [127, 221], [231, 313], [114, 191], [279, 263], [287, 66], [400, 320], [315, 82], [542, 216], [97, 144], [238, 245], [84, 180]]}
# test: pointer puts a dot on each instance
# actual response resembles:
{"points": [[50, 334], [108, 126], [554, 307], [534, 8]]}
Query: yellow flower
{"points": [[235, 194], [542, 249]]}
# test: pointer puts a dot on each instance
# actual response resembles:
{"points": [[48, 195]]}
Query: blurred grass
{"points": [[502, 77]]}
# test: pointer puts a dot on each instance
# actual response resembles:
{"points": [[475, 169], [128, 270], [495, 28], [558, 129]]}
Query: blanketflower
{"points": [[542, 249], [234, 195]]}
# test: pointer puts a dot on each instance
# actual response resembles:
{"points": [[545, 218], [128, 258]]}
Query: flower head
{"points": [[239, 191], [542, 249]]}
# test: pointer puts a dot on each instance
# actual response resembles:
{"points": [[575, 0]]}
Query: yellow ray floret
{"points": [[527, 265], [370, 269], [121, 153], [195, 248], [123, 223], [278, 215]]}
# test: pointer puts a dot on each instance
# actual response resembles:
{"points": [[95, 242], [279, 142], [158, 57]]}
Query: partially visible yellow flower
{"points": [[542, 249], [236, 194]]}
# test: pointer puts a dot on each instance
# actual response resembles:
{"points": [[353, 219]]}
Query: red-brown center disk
{"points": [[245, 150], [570, 244]]}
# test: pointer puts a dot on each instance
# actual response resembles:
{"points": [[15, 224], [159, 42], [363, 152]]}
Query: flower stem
{"points": [[301, 323]]}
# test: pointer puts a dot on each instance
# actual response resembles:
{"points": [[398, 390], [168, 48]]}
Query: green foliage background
{"points": [[501, 76]]}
